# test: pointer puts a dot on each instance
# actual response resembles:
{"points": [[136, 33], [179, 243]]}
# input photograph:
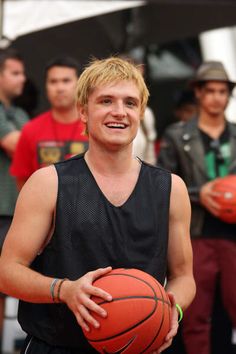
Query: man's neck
{"points": [[68, 115], [212, 125], [106, 162]]}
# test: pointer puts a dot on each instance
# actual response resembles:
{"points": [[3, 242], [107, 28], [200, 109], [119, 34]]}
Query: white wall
{"points": [[220, 45]]}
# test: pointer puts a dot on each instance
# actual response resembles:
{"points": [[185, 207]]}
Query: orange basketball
{"points": [[138, 317], [226, 186]]}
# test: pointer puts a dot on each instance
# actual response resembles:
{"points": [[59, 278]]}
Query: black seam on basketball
{"points": [[132, 276], [120, 351], [125, 331], [133, 297], [155, 298], [137, 324], [162, 320]]}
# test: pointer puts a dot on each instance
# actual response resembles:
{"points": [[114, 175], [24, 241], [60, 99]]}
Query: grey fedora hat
{"points": [[212, 71]]}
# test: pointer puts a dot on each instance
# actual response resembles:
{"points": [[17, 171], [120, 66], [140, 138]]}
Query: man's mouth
{"points": [[114, 125]]}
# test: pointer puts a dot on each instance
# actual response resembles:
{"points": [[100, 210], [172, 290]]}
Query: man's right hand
{"points": [[207, 198], [77, 295]]}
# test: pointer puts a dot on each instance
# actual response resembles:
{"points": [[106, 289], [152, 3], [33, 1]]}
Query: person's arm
{"points": [[9, 135], [9, 142], [180, 282], [30, 229], [169, 158], [180, 268], [22, 166]]}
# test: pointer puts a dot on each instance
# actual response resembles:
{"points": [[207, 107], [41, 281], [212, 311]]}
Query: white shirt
{"points": [[143, 144]]}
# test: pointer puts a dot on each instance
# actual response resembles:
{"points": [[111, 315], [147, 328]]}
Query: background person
{"points": [[54, 135], [12, 118], [78, 217], [144, 142], [201, 150], [185, 106]]}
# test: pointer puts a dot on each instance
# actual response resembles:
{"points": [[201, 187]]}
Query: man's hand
{"points": [[207, 195], [77, 295]]}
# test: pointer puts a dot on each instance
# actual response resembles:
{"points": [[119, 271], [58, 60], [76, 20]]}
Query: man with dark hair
{"points": [[12, 118], [200, 151], [63, 61], [54, 135]]}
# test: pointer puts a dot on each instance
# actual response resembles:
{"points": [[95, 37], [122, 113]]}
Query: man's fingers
{"points": [[99, 272], [87, 317], [171, 298], [92, 306], [98, 292], [214, 204], [82, 322], [82, 305], [172, 332], [165, 345]]}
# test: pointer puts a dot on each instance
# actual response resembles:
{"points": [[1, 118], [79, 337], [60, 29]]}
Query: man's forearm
{"points": [[184, 290], [25, 284]]}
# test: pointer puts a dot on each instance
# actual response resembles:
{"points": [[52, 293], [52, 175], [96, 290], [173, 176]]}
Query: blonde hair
{"points": [[105, 71]]}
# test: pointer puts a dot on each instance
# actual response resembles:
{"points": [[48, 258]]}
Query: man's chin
{"points": [[15, 94], [60, 106]]}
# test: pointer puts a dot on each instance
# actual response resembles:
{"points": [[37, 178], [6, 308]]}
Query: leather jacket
{"points": [[182, 152]]}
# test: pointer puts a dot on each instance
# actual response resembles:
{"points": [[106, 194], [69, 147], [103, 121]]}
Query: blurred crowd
{"points": [[199, 146]]}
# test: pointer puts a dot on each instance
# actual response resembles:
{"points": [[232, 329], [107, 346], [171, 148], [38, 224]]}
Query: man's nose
{"points": [[118, 109]]}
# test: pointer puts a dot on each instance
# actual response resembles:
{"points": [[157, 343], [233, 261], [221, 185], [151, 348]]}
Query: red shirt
{"points": [[45, 141]]}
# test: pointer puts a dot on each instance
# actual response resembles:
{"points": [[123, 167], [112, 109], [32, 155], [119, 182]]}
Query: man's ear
{"points": [[82, 112]]}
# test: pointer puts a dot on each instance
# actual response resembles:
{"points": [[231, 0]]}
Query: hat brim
{"points": [[194, 83]]}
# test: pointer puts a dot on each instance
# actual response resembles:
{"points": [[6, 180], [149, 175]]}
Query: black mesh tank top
{"points": [[91, 233]]}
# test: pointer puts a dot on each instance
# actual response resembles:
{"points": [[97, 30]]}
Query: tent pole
{"points": [[4, 42]]}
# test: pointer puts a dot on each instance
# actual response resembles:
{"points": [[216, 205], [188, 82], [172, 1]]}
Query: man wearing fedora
{"points": [[200, 151]]}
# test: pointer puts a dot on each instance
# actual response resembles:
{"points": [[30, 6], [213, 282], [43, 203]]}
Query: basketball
{"points": [[226, 186], [138, 317]]}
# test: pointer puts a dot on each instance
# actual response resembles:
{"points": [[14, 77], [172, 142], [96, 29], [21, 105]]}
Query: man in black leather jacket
{"points": [[200, 151]]}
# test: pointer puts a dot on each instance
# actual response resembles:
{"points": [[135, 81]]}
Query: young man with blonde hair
{"points": [[78, 219]]}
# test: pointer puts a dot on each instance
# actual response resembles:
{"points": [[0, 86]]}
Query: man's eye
{"points": [[130, 103], [106, 100]]}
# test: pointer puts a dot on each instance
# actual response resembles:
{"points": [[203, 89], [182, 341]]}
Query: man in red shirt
{"points": [[54, 135]]}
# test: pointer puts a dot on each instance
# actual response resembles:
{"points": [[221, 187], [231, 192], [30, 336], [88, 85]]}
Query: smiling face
{"points": [[112, 114]]}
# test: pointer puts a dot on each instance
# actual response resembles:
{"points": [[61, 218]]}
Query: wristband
{"points": [[52, 288], [59, 289], [180, 312]]}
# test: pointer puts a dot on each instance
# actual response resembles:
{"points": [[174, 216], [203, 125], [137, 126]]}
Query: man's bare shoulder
{"points": [[178, 184], [179, 193], [44, 176], [41, 185]]}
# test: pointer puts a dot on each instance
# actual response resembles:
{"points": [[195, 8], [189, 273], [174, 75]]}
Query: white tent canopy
{"points": [[48, 13]]}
